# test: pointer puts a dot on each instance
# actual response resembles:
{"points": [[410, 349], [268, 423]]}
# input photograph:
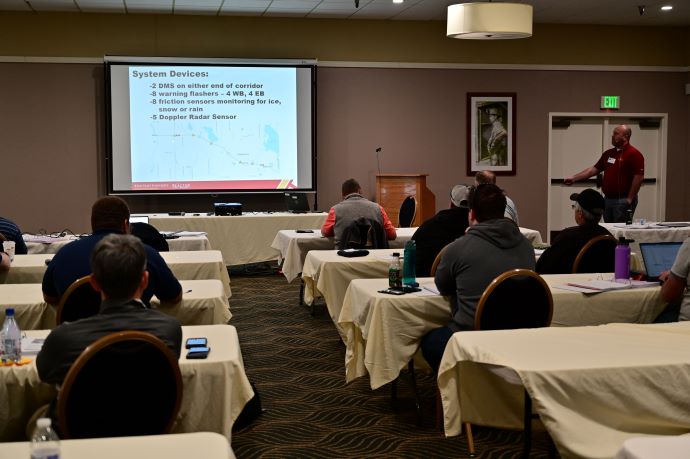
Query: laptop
{"points": [[296, 203], [139, 219], [658, 257]]}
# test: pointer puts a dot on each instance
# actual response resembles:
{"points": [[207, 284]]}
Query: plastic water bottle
{"points": [[45, 444], [622, 259], [394, 274], [11, 337], [409, 265]]}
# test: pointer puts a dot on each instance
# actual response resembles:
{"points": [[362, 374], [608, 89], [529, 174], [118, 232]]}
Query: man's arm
{"points": [[167, 287], [388, 226], [444, 277], [4, 261], [673, 286], [328, 226], [50, 294], [583, 175], [635, 187]]}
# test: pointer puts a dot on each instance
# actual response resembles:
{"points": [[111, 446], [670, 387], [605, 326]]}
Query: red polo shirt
{"points": [[619, 167]]}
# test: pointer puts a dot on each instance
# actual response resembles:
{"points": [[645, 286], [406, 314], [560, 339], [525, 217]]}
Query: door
{"points": [[576, 141]]}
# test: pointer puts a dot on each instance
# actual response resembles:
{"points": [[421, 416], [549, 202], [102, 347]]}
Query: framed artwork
{"points": [[491, 133]]}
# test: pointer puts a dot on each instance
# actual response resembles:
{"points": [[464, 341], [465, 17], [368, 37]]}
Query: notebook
{"points": [[296, 202], [658, 257]]}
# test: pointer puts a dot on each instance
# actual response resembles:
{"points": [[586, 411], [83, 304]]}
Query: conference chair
{"points": [[364, 233], [597, 256], [516, 299], [149, 235], [79, 301], [125, 384], [437, 260], [408, 210]]}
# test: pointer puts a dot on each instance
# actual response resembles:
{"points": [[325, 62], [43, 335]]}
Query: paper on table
{"points": [[428, 289], [389, 257], [190, 233], [31, 346], [594, 286]]}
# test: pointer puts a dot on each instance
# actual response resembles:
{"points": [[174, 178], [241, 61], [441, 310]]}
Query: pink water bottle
{"points": [[622, 259]]}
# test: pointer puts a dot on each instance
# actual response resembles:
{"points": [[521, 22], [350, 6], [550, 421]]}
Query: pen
{"points": [[188, 291]]}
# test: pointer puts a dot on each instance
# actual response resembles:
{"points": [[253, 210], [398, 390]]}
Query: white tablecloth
{"points": [[243, 238], [293, 247], [668, 447], [382, 332], [533, 236], [174, 446], [215, 389], [650, 232], [187, 243], [203, 303], [593, 387], [206, 264]]}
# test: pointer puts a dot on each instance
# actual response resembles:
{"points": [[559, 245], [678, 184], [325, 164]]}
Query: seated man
{"points": [[441, 229], [109, 214], [352, 207], [559, 258], [674, 286], [483, 177], [118, 263], [11, 231], [492, 245]]}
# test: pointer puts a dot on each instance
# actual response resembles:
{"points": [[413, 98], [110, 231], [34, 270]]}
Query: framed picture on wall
{"points": [[491, 133]]}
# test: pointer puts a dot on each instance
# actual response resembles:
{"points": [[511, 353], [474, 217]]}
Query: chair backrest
{"points": [[437, 260], [597, 256], [125, 384], [518, 298], [79, 301], [408, 210], [149, 235]]}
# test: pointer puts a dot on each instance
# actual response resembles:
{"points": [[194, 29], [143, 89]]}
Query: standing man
{"points": [[352, 207], [492, 246], [623, 168]]}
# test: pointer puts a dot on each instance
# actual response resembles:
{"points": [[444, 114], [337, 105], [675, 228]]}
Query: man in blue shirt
{"points": [[109, 215], [11, 231]]}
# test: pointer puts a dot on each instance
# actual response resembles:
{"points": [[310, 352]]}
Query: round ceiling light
{"points": [[489, 21]]}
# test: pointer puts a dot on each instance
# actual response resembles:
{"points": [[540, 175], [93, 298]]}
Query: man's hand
{"points": [[569, 181], [663, 276]]}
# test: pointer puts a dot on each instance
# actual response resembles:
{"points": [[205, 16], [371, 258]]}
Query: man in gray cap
{"points": [[559, 258], [441, 229]]}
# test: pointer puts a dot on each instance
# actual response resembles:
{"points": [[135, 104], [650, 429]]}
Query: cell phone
{"points": [[390, 291], [196, 342], [304, 231], [198, 352]]}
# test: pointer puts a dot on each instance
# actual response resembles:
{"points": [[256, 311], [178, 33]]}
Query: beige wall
{"points": [[52, 121]]}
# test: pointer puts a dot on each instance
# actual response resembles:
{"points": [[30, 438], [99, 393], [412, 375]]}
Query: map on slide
{"points": [[212, 124]]}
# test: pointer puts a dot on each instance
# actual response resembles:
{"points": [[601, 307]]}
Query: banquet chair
{"points": [[437, 260], [597, 255], [125, 384], [518, 298], [79, 301], [408, 211]]}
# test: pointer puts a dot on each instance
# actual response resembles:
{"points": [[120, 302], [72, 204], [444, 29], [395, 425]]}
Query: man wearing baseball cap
{"points": [[441, 229], [559, 258]]}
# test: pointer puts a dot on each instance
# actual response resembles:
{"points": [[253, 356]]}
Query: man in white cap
{"points": [[441, 229]]}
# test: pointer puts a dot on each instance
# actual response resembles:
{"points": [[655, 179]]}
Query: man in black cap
{"points": [[559, 258]]}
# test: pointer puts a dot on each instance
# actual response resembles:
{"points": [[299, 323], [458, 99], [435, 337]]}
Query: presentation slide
{"points": [[196, 128]]}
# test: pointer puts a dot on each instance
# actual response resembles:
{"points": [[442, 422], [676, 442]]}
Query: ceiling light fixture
{"points": [[666, 8], [489, 21]]}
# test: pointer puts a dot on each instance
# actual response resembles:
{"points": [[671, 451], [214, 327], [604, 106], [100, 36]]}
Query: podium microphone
{"points": [[378, 164]]}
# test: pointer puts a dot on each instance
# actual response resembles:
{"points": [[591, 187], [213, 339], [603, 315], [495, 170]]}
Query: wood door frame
{"points": [[661, 160]]}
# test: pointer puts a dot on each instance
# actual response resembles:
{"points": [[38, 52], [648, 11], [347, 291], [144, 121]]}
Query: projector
{"points": [[227, 208]]}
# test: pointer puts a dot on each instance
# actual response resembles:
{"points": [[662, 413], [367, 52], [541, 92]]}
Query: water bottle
{"points": [[394, 274], [409, 265], [45, 444], [628, 217], [622, 259], [11, 338]]}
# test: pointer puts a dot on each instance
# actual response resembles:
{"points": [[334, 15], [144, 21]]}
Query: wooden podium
{"points": [[392, 189]]}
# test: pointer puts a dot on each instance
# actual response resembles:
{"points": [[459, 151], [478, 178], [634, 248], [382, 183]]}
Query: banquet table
{"points": [[214, 389], [652, 447], [206, 264], [606, 383], [382, 332], [293, 247], [203, 303], [52, 245], [172, 446], [242, 238], [649, 232]]}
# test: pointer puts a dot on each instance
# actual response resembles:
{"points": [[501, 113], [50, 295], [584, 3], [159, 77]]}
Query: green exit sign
{"points": [[610, 102]]}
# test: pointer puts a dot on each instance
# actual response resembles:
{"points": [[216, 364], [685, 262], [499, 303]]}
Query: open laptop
{"points": [[658, 257], [296, 203]]}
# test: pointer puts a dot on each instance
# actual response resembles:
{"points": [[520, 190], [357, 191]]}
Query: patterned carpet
{"points": [[297, 363]]}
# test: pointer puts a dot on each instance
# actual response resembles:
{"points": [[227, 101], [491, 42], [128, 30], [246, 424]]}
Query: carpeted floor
{"points": [[297, 363]]}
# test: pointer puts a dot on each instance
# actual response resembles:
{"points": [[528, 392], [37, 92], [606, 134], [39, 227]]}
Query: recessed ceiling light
{"points": [[666, 8], [398, 1]]}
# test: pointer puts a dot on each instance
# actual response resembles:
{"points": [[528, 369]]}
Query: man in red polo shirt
{"points": [[623, 168]]}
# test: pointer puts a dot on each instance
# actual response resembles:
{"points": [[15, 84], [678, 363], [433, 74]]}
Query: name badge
{"points": [[612, 160]]}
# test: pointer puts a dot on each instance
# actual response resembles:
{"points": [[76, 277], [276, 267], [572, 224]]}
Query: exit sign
{"points": [[610, 102]]}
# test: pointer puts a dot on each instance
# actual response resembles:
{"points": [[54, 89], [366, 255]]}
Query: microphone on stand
{"points": [[378, 164]]}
